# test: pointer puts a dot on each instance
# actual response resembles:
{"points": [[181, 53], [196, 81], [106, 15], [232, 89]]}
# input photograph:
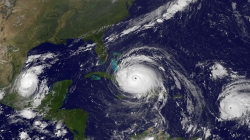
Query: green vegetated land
{"points": [[75, 119], [158, 136], [177, 96], [98, 75], [65, 19], [120, 97], [57, 21], [15, 101]]}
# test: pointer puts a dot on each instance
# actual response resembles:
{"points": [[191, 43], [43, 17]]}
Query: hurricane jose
{"points": [[235, 100]]}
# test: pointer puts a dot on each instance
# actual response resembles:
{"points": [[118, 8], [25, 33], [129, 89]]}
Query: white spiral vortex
{"points": [[144, 79], [137, 79], [235, 100], [27, 84]]}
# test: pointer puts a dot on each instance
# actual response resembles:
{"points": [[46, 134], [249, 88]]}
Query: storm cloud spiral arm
{"points": [[27, 84], [30, 87], [235, 100], [149, 76], [137, 79], [139, 75]]}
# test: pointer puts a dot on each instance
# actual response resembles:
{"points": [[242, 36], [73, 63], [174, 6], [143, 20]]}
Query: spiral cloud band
{"points": [[138, 75], [146, 71], [28, 84], [235, 100], [137, 79], [149, 76]]}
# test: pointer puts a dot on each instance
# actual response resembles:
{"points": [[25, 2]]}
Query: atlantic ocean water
{"points": [[188, 45]]}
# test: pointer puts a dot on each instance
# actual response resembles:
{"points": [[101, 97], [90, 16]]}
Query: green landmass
{"points": [[177, 96], [13, 100], [74, 120], [54, 21], [120, 96], [150, 132], [98, 74]]}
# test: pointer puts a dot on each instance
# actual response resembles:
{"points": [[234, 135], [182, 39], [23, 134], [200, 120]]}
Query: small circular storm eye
{"points": [[134, 78]]}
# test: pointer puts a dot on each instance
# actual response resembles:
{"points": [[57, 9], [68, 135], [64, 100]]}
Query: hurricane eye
{"points": [[137, 79], [134, 78], [27, 84], [234, 104]]}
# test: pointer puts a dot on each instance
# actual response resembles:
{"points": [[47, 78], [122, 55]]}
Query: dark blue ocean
{"points": [[207, 31]]}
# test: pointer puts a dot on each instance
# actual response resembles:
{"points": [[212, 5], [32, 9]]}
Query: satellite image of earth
{"points": [[125, 70]]}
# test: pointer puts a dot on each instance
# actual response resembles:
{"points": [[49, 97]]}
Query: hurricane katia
{"points": [[27, 84], [235, 100]]}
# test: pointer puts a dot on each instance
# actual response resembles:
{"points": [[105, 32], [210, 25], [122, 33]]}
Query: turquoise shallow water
{"points": [[94, 77], [114, 65]]}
